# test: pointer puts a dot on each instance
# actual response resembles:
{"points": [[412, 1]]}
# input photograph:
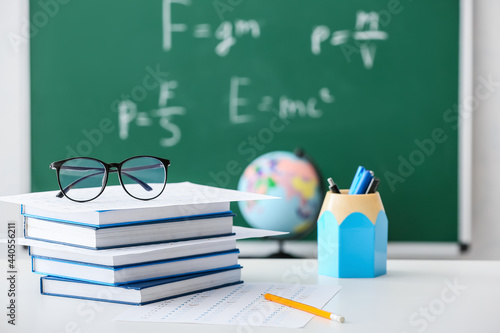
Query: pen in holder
{"points": [[352, 236]]}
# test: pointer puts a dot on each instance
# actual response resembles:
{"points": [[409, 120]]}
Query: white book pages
{"points": [[240, 233]]}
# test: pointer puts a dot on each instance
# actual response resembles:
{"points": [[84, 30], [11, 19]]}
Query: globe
{"points": [[294, 180]]}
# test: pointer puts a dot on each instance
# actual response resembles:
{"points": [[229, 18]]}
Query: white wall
{"points": [[486, 142], [14, 120], [14, 101]]}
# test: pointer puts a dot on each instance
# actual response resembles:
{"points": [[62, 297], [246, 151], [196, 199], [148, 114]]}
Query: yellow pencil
{"points": [[304, 307]]}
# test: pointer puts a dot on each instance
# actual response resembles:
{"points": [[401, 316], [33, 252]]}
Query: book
{"points": [[116, 275], [141, 293], [86, 236], [144, 253], [114, 206], [125, 216]]}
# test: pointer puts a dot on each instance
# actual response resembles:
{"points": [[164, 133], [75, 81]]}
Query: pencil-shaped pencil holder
{"points": [[352, 236]]}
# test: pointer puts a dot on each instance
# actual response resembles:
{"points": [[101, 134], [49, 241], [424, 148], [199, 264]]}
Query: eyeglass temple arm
{"points": [[137, 180]]}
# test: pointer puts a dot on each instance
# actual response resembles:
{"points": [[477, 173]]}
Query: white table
{"points": [[415, 296]]}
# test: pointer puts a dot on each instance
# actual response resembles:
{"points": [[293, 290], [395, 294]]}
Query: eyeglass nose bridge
{"points": [[114, 165]]}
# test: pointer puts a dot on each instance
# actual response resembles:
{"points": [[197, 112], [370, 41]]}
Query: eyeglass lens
{"points": [[143, 177], [82, 178]]}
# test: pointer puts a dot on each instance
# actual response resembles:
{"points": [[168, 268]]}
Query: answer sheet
{"points": [[114, 198], [240, 305]]}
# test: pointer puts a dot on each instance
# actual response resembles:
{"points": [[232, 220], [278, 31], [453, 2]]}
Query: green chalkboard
{"points": [[213, 84]]}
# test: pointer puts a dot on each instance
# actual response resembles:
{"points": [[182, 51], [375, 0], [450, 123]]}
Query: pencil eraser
{"points": [[340, 319]]}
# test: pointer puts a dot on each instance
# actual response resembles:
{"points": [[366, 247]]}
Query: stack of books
{"points": [[120, 249]]}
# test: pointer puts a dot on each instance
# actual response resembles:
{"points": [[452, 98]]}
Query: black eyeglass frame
{"points": [[109, 167]]}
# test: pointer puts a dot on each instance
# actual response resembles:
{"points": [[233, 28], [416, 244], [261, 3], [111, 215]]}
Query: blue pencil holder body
{"points": [[352, 236]]}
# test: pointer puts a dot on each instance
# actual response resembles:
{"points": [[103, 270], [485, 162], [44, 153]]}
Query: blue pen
{"points": [[356, 179], [363, 183]]}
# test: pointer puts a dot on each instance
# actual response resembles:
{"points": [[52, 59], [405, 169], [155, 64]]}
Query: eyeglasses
{"points": [[83, 179]]}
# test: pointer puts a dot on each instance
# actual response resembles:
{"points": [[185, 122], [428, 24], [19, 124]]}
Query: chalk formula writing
{"points": [[364, 35], [226, 33], [243, 106], [287, 107], [128, 114]]}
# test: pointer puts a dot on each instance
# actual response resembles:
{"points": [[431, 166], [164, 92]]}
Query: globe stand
{"points": [[281, 253]]}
